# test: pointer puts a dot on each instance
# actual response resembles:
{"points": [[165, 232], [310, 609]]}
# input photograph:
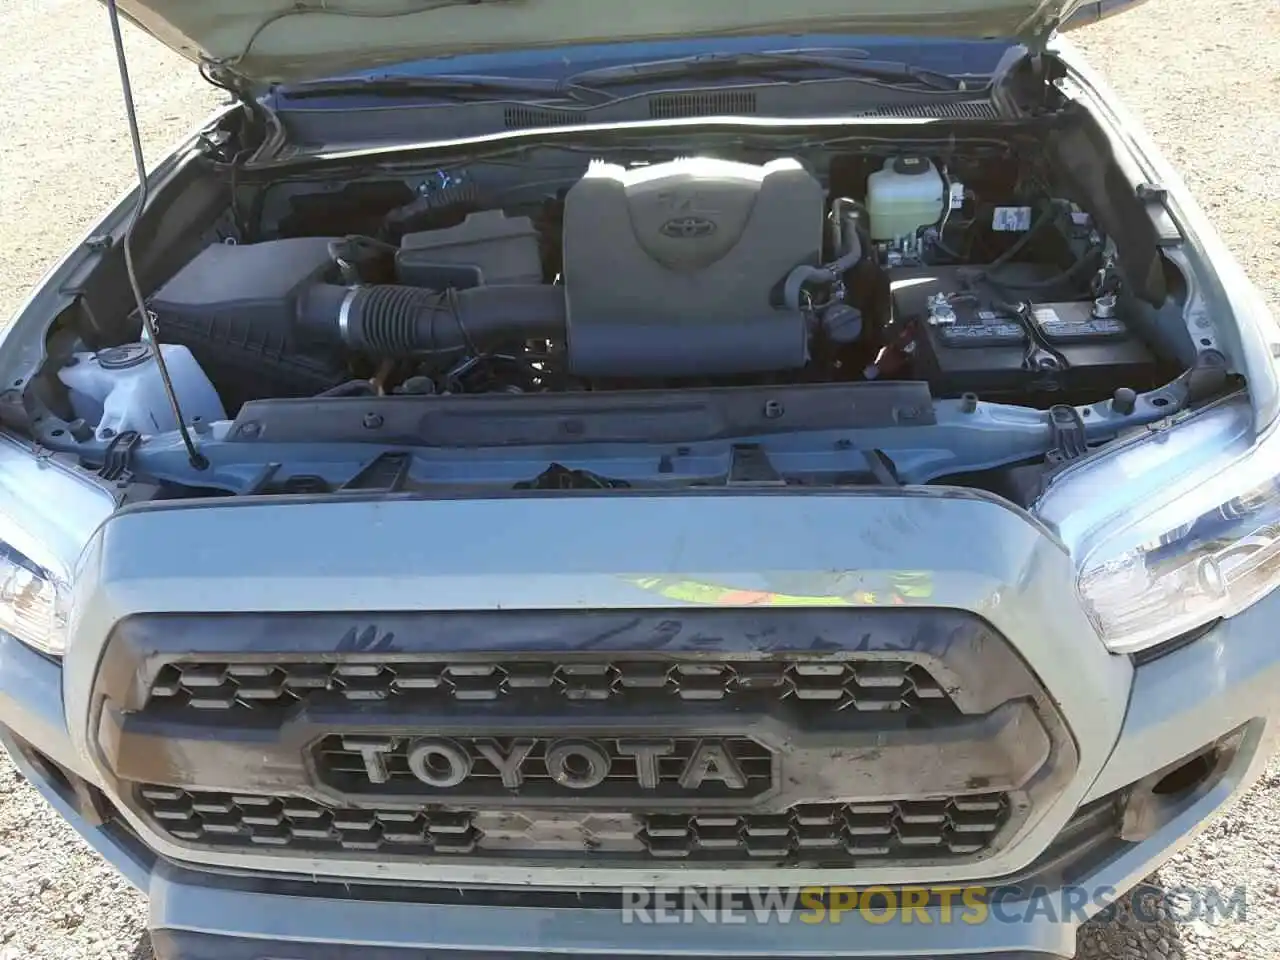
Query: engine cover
{"points": [[676, 269]]}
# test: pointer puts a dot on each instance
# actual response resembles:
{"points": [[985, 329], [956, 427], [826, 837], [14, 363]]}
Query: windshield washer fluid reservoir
{"points": [[903, 196], [120, 389]]}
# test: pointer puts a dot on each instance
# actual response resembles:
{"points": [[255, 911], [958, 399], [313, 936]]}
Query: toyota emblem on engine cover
{"points": [[688, 228]]}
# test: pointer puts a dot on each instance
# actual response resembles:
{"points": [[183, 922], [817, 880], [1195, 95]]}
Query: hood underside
{"points": [[288, 40]]}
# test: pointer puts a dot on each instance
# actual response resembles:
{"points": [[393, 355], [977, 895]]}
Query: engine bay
{"points": [[689, 271], [647, 284]]}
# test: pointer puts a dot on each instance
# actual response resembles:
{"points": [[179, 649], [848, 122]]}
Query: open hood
{"points": [[288, 40]]}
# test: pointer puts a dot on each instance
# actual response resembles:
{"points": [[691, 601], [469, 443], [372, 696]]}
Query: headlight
{"points": [[33, 602], [47, 515], [1174, 530]]}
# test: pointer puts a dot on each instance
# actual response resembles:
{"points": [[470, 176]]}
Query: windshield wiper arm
{"points": [[766, 63], [445, 86]]}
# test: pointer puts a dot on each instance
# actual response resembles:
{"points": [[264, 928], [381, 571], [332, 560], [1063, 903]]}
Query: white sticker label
{"points": [[1045, 315], [957, 195], [1011, 219], [988, 315]]}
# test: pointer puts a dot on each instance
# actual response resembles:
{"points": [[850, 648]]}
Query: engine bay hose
{"points": [[392, 320], [828, 273]]}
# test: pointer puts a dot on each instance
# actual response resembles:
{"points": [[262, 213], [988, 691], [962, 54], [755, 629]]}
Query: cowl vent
{"points": [[715, 103], [957, 110], [528, 118]]}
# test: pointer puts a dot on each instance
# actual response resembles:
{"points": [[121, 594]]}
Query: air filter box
{"points": [[233, 307]]}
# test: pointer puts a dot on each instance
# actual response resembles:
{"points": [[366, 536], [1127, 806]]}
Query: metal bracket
{"points": [[386, 472], [1207, 377], [750, 465], [117, 461], [881, 468], [1151, 192], [1066, 435]]}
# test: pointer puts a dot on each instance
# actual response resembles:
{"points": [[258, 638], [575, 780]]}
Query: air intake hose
{"points": [[391, 320]]}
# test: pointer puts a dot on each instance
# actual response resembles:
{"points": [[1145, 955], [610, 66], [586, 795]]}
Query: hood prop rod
{"points": [[149, 335]]}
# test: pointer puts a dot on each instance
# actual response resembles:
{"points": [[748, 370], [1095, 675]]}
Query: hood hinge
{"points": [[1037, 40], [1035, 59], [222, 75], [1038, 66]]}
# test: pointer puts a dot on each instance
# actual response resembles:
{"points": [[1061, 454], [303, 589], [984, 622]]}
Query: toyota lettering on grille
{"points": [[573, 763]]}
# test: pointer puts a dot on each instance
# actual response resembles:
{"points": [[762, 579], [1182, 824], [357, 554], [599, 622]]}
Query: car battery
{"points": [[969, 341]]}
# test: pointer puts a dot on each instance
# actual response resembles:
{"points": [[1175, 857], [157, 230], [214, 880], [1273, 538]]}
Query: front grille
{"points": [[949, 829], [341, 766], [827, 684], [699, 737]]}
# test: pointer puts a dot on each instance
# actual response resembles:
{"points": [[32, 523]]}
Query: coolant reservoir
{"points": [[120, 389], [903, 196]]}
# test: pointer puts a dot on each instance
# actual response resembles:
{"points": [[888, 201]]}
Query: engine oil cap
{"points": [[124, 356]]}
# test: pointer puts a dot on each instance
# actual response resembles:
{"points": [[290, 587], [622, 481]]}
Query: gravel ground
{"points": [[1204, 77]]}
